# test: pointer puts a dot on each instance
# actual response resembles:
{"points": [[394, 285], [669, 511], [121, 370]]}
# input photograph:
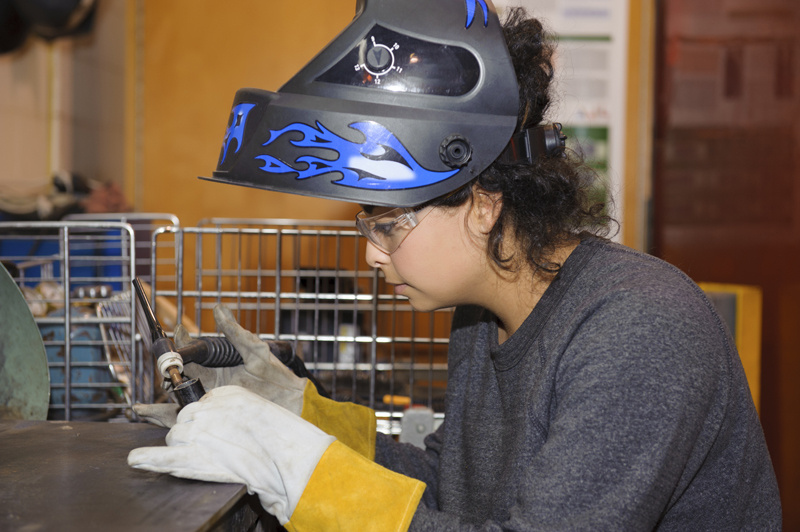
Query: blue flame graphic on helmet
{"points": [[236, 129], [471, 12], [381, 162]]}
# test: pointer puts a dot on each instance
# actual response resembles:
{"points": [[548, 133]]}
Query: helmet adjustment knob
{"points": [[455, 151]]}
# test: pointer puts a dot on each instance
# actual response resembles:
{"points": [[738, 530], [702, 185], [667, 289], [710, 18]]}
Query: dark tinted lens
{"points": [[388, 60]]}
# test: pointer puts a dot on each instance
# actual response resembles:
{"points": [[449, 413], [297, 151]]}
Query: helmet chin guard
{"points": [[412, 100]]}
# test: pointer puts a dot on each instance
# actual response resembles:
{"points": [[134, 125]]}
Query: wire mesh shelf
{"points": [[302, 281]]}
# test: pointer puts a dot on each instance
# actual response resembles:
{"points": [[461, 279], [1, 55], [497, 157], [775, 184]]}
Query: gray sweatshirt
{"points": [[619, 404]]}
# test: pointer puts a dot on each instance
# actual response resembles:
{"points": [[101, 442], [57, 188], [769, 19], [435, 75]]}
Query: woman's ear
{"points": [[486, 207]]}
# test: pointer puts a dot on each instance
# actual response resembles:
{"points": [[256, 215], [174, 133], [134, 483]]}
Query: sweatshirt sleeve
{"points": [[412, 461]]}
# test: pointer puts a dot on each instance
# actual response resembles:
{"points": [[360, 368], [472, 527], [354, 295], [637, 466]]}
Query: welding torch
{"points": [[211, 352]]}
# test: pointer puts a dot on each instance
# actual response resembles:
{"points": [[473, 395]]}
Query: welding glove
{"points": [[262, 373], [304, 477]]}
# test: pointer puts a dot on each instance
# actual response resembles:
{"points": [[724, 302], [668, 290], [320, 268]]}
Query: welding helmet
{"points": [[412, 100]]}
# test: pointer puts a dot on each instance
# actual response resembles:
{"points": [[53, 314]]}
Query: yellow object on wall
{"points": [[740, 306]]}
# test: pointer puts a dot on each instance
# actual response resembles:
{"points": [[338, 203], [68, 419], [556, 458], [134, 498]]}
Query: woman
{"points": [[590, 386]]}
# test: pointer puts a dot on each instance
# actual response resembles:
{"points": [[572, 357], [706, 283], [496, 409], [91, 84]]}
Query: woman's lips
{"points": [[400, 288]]}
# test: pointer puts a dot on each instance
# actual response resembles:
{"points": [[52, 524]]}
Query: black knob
{"points": [[379, 59], [455, 151]]}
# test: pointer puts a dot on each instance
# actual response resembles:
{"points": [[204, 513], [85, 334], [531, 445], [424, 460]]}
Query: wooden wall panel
{"points": [[727, 169], [189, 58]]}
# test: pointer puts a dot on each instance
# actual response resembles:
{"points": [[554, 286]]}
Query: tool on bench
{"points": [[210, 351]]}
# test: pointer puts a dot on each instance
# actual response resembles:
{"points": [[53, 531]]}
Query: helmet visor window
{"points": [[388, 60]]}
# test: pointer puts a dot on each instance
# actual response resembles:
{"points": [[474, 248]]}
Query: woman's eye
{"points": [[384, 228]]}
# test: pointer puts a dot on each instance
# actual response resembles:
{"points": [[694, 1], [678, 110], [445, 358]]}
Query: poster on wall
{"points": [[591, 72]]}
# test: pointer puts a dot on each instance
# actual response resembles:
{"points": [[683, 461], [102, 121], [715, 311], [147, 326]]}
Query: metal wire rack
{"points": [[65, 270], [297, 280], [143, 226], [307, 282]]}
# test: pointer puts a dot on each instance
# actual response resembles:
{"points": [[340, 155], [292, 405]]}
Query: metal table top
{"points": [[75, 476]]}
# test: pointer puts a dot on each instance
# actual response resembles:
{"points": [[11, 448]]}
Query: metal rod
{"points": [[156, 331], [64, 234]]}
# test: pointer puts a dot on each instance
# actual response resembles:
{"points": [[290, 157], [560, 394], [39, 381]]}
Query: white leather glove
{"points": [[262, 372], [234, 435]]}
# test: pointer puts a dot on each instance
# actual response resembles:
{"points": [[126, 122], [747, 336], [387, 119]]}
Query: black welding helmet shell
{"points": [[411, 101]]}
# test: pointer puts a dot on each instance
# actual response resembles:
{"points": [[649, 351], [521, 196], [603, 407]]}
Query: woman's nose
{"points": [[375, 257]]}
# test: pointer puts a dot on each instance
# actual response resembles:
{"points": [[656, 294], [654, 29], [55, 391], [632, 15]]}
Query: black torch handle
{"points": [[211, 352], [218, 352]]}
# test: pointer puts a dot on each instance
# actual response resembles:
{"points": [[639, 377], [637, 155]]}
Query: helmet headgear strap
{"points": [[524, 147]]}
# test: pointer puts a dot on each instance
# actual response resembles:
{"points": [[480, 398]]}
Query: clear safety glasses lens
{"points": [[388, 229]]}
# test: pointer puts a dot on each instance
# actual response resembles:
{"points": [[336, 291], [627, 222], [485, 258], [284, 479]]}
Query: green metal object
{"points": [[24, 377]]}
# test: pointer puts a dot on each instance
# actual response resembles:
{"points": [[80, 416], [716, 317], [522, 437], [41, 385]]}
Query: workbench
{"points": [[69, 476]]}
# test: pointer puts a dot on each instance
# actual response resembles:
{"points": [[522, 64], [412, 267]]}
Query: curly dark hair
{"points": [[549, 202]]}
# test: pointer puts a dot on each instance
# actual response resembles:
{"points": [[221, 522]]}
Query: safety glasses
{"points": [[387, 230]]}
